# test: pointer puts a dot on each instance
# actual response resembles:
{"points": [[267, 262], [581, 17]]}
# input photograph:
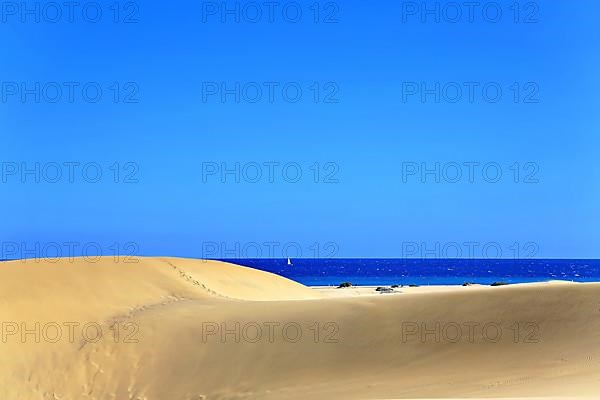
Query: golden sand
{"points": [[189, 329]]}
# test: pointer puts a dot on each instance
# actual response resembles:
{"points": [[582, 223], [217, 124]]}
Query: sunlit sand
{"points": [[190, 329]]}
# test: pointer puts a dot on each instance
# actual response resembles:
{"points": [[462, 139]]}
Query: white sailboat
{"points": [[290, 262]]}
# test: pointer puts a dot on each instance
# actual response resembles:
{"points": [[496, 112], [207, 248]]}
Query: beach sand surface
{"points": [[190, 329]]}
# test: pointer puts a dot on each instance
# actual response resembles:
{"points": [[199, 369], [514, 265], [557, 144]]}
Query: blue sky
{"points": [[164, 124]]}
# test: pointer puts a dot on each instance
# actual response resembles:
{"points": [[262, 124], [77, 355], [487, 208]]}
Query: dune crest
{"points": [[237, 282], [174, 329]]}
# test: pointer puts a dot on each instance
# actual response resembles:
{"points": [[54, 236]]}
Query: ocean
{"points": [[389, 271]]}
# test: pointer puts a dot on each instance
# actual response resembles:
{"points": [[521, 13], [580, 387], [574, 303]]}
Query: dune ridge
{"points": [[176, 328]]}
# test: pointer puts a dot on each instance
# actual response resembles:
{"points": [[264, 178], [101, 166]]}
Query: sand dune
{"points": [[190, 329]]}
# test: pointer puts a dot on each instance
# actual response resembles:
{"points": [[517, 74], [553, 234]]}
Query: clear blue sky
{"points": [[171, 131]]}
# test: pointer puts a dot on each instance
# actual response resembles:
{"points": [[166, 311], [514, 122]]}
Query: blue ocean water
{"points": [[389, 271]]}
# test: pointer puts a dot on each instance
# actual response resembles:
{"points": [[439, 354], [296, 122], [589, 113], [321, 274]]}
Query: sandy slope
{"points": [[178, 337]]}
